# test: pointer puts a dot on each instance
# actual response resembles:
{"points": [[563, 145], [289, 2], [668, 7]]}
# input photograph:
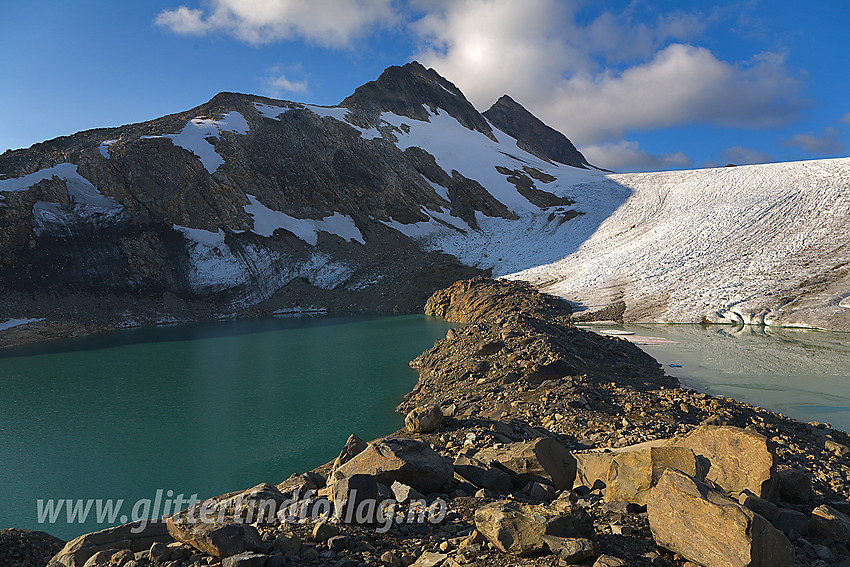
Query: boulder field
{"points": [[528, 441]]}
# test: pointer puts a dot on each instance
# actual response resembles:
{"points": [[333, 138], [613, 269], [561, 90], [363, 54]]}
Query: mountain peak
{"points": [[410, 90], [532, 134]]}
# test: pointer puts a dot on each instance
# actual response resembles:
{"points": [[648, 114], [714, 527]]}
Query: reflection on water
{"points": [[802, 373]]}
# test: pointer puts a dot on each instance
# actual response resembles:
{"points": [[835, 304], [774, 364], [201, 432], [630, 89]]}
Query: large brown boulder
{"points": [[424, 419], [710, 529], [520, 529], [220, 540], [401, 459], [542, 459], [631, 475], [738, 459], [135, 537]]}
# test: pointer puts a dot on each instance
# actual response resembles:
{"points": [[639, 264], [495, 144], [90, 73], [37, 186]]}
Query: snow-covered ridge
{"points": [[736, 245]]}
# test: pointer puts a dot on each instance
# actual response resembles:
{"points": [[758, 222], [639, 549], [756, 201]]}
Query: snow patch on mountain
{"points": [[104, 147], [193, 137], [438, 222], [17, 322], [267, 220], [214, 265]]}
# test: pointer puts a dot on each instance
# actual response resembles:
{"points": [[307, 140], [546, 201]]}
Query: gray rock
{"points": [[246, 559], [482, 475], [765, 509], [220, 540], [323, 531], [708, 528], [408, 461], [572, 550], [791, 521], [424, 419], [836, 448], [829, 522], [795, 486], [403, 493], [632, 474], [430, 559], [338, 542], [355, 498], [738, 459], [609, 561], [542, 459], [77, 551], [518, 528]]}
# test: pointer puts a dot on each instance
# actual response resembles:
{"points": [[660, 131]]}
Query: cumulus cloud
{"points": [[739, 155], [846, 118], [627, 155], [537, 52], [276, 84], [324, 22], [826, 143]]}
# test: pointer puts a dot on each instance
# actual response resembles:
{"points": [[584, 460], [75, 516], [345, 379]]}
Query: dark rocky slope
{"points": [[532, 134], [242, 206]]}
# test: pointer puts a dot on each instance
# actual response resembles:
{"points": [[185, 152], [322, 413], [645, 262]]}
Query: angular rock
{"points": [[353, 447], [287, 544], [829, 522], [791, 521], [323, 531], [592, 468], [404, 493], [542, 459], [430, 559], [795, 486], [408, 461], [355, 498], [258, 503], [482, 475], [632, 474], [765, 509], [519, 529], [738, 459], [571, 550], [246, 559], [609, 561], [709, 528], [297, 485], [836, 448], [77, 551], [221, 540], [424, 419]]}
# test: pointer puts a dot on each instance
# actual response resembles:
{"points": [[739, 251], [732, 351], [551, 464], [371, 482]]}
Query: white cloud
{"points": [[628, 156], [325, 22], [846, 118], [739, 155], [276, 84], [537, 52], [827, 143]]}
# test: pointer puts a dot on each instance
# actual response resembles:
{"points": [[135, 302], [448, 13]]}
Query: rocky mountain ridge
{"points": [[248, 205]]}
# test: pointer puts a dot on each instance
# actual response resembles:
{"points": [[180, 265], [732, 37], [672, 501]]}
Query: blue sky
{"points": [[639, 85]]}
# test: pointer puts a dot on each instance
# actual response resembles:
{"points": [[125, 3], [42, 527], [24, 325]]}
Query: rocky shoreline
{"points": [[528, 441]]}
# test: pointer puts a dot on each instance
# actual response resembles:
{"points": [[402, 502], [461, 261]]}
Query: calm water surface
{"points": [[803, 374], [204, 409]]}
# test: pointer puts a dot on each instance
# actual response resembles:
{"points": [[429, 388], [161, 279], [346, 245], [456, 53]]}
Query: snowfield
{"points": [[761, 244]]}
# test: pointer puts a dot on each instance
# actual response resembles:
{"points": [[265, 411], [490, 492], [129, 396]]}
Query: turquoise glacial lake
{"points": [[193, 409]]}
